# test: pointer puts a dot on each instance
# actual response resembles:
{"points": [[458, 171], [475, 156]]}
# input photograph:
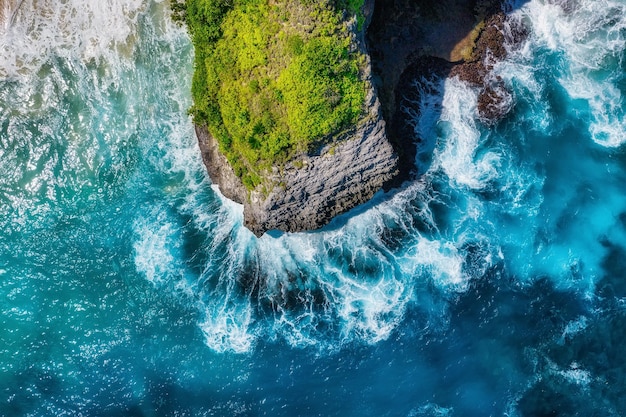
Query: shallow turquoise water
{"points": [[493, 286]]}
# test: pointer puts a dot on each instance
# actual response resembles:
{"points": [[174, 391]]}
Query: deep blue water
{"points": [[493, 286]]}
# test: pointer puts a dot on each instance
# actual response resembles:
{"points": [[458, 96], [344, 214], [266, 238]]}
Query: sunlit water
{"points": [[493, 286]]}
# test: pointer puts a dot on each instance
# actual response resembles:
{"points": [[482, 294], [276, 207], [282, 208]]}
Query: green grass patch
{"points": [[273, 78]]}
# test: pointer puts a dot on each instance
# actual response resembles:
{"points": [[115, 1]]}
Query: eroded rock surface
{"points": [[499, 32], [414, 39]]}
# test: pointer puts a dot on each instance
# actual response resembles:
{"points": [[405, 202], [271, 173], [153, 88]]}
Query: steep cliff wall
{"points": [[315, 188]]}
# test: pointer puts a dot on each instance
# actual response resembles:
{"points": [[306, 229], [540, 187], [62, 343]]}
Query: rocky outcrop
{"points": [[494, 100], [316, 188], [408, 38], [310, 190], [412, 40], [404, 32]]}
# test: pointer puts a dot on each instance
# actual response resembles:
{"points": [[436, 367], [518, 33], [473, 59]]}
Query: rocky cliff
{"points": [[307, 192], [413, 40], [407, 39]]}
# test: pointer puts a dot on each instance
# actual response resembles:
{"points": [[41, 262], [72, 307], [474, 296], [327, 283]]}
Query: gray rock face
{"points": [[308, 192], [328, 184], [220, 171]]}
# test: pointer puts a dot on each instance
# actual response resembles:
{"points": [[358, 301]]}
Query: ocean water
{"points": [[495, 285]]}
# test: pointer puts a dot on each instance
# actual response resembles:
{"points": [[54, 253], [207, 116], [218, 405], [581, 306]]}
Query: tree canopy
{"points": [[273, 78]]}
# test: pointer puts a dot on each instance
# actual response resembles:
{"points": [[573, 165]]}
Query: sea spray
{"points": [[493, 285], [590, 38], [89, 31]]}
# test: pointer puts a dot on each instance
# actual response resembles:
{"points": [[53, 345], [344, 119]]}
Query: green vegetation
{"points": [[273, 77]]}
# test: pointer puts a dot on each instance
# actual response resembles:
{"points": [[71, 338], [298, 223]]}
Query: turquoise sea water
{"points": [[493, 286]]}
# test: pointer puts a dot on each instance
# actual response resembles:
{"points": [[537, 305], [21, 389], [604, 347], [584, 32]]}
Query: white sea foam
{"points": [[89, 30], [227, 316], [574, 374], [572, 328], [364, 294], [228, 328], [590, 35], [425, 114], [441, 260], [324, 289], [75, 104], [577, 376], [431, 410], [154, 249], [458, 154]]}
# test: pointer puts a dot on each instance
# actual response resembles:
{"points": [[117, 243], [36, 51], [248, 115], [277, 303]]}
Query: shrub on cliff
{"points": [[273, 78]]}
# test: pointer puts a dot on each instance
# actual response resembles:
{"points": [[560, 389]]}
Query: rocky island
{"points": [[297, 103]]}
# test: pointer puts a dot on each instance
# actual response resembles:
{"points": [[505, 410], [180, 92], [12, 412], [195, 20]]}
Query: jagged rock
{"points": [[494, 100]]}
